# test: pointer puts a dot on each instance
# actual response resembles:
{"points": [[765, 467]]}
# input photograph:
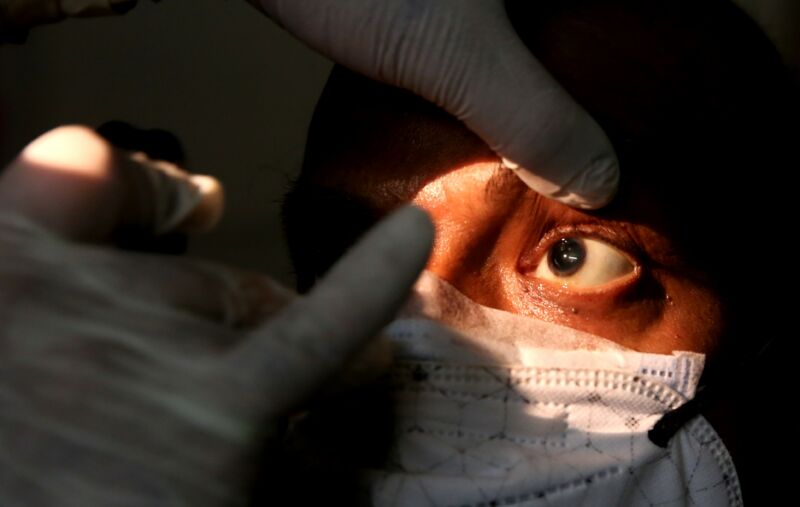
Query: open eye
{"points": [[583, 263]]}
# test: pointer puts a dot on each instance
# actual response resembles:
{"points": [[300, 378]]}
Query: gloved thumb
{"points": [[465, 56]]}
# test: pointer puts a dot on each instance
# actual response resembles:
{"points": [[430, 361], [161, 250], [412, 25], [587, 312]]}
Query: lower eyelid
{"points": [[557, 292]]}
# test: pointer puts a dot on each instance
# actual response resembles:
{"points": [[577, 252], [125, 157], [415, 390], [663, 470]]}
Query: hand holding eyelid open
{"points": [[146, 379], [464, 56]]}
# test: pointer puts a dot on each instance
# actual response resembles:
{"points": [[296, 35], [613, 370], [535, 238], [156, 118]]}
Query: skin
{"points": [[123, 364], [492, 231]]}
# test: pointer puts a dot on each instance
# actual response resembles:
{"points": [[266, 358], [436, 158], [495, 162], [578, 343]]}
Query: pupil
{"points": [[567, 256]]}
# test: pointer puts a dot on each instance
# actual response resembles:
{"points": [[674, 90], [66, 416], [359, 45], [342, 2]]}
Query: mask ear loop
{"points": [[671, 422]]}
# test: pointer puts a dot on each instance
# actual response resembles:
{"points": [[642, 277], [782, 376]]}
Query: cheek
{"points": [[693, 318], [657, 313]]}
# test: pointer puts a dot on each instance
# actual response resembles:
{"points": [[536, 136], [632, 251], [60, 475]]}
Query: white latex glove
{"points": [[140, 380], [465, 56]]}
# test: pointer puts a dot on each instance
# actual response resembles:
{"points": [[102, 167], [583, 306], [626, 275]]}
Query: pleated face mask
{"points": [[497, 409]]}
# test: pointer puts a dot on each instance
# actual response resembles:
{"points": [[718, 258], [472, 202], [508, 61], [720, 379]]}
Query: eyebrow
{"points": [[501, 181]]}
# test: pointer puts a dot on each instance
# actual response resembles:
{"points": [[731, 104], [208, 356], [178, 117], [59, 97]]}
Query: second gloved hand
{"points": [[137, 379], [465, 56]]}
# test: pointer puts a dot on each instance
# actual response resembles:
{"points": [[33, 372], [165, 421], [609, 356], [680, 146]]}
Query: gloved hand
{"points": [[464, 56], [135, 379]]}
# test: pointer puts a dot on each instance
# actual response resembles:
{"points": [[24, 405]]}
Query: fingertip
{"points": [[318, 333], [590, 189], [406, 236], [593, 188], [66, 181], [376, 275], [416, 225], [384, 264], [71, 149]]}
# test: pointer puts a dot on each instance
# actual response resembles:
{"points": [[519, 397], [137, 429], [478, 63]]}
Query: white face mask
{"points": [[505, 410]]}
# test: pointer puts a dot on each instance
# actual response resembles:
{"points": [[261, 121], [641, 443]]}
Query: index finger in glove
{"points": [[465, 56], [310, 340], [132, 283]]}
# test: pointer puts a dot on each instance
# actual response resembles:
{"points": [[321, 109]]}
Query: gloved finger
{"points": [[165, 198], [368, 365], [163, 285], [465, 56], [298, 350], [548, 139], [72, 182], [235, 298], [108, 387]]}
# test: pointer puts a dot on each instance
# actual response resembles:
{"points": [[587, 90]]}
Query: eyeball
{"points": [[583, 263]]}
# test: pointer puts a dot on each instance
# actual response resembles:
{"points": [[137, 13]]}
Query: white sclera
{"points": [[602, 264]]}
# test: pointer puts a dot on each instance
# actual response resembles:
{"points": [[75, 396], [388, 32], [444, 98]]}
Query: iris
{"points": [[567, 256]]}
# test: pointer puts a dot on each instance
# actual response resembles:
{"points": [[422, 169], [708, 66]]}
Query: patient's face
{"points": [[617, 274], [689, 256], [668, 266]]}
